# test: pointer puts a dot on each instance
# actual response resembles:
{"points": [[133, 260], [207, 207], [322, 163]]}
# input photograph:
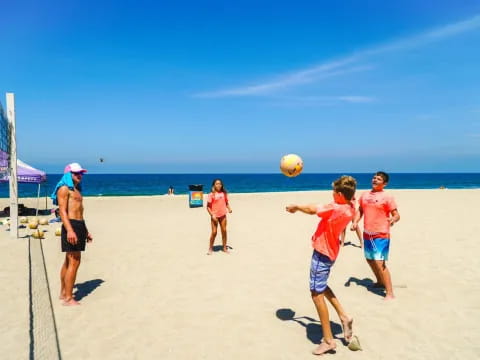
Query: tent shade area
{"points": [[27, 174]]}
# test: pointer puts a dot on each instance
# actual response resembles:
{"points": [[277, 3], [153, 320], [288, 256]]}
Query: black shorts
{"points": [[80, 230]]}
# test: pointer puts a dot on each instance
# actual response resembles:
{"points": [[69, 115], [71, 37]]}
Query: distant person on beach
{"points": [[171, 190], [335, 217], [380, 213], [74, 231], [217, 207]]}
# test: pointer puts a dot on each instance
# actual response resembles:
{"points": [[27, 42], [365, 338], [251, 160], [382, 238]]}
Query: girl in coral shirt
{"points": [[217, 207]]}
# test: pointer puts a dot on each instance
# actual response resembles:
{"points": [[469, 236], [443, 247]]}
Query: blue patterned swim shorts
{"points": [[319, 271], [376, 249]]}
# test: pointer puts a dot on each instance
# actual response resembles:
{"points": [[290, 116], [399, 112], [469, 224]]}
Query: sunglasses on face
{"points": [[77, 173]]}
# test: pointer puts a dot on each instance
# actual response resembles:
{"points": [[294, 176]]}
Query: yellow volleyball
{"points": [[38, 234], [291, 165], [33, 224]]}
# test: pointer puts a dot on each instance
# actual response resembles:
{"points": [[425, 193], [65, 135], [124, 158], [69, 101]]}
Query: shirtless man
{"points": [[74, 230]]}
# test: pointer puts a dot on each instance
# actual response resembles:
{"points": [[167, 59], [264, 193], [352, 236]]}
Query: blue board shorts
{"points": [[319, 271], [376, 249]]}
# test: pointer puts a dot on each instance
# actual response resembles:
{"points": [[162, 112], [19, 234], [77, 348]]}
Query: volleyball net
{"points": [[4, 143]]}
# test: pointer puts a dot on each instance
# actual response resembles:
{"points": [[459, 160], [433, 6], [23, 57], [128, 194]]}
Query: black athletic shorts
{"points": [[81, 230]]}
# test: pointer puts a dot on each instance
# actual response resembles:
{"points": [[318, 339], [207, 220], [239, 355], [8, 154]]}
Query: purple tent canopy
{"points": [[25, 173]]}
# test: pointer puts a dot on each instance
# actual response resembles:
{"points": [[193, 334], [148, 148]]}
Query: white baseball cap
{"points": [[74, 167]]}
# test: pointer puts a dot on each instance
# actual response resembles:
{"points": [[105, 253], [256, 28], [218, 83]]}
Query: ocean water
{"points": [[157, 184]]}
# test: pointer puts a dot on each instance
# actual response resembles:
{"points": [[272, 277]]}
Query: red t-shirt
{"points": [[376, 207], [217, 202], [335, 218]]}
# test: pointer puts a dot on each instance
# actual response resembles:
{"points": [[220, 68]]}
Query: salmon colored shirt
{"points": [[335, 218], [217, 202], [376, 207]]}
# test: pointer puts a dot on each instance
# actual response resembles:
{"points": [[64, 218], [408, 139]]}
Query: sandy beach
{"points": [[149, 291]]}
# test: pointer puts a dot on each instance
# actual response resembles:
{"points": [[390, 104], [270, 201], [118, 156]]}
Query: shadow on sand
{"points": [[220, 248], [312, 327], [349, 243], [86, 288], [25, 211], [366, 283]]}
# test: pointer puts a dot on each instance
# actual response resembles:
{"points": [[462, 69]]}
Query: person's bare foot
{"points": [[210, 252], [389, 297], [347, 325], [225, 250], [61, 297], [71, 302], [324, 348]]}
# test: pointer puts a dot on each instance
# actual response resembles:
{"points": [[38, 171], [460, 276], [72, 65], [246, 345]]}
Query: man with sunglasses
{"points": [[74, 231]]}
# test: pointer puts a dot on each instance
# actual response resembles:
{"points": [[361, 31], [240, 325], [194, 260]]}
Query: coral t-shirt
{"points": [[218, 201], [335, 218], [376, 207]]}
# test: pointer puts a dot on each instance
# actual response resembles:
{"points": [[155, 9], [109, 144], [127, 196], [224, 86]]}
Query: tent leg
{"points": [[38, 201]]}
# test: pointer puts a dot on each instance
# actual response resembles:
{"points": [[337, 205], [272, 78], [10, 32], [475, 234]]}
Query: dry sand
{"points": [[14, 297], [149, 291]]}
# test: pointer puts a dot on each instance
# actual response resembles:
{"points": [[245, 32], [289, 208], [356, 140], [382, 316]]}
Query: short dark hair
{"points": [[383, 175], [345, 185]]}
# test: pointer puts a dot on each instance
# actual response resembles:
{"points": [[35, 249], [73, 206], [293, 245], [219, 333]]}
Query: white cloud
{"points": [[422, 117], [356, 99], [343, 65], [322, 71], [279, 100]]}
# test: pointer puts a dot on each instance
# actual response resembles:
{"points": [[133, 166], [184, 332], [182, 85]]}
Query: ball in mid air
{"points": [[291, 165]]}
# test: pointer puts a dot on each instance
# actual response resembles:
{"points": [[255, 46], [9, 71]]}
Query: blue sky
{"points": [[210, 87]]}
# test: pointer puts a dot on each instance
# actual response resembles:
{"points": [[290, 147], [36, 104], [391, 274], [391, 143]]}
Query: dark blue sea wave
{"points": [[157, 184]]}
